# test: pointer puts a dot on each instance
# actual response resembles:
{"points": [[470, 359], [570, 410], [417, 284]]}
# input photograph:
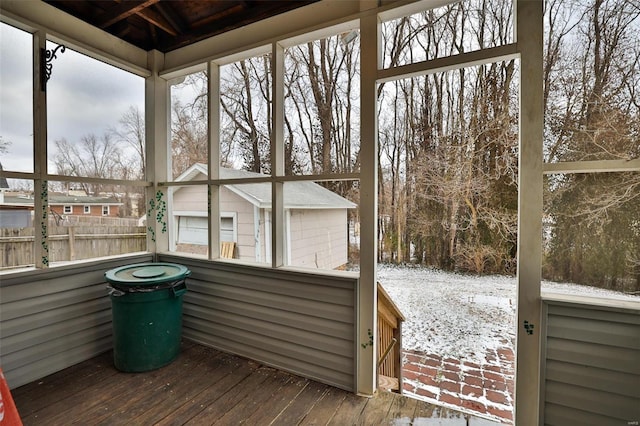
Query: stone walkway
{"points": [[485, 390]]}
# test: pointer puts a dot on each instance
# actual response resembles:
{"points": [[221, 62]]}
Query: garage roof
{"points": [[297, 194]]}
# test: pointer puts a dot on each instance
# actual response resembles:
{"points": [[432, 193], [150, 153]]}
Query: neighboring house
{"points": [[16, 210], [77, 205], [315, 227]]}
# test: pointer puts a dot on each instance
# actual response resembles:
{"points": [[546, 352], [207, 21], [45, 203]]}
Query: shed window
{"points": [[67, 209], [105, 210], [87, 209], [227, 229]]}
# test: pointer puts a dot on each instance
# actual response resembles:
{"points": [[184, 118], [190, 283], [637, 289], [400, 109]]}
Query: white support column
{"points": [[157, 119], [366, 350], [530, 41], [40, 184], [213, 131], [277, 156]]}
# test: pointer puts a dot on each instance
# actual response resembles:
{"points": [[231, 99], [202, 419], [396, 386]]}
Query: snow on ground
{"points": [[460, 316]]}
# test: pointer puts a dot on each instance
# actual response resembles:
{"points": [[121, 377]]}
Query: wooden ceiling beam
{"points": [[122, 11]]}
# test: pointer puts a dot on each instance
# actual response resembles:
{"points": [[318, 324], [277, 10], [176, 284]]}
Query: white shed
{"points": [[316, 226]]}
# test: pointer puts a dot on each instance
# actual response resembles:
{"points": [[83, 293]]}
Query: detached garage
{"points": [[316, 226]]}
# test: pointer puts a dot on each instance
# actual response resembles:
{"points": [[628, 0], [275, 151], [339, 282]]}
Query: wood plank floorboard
{"points": [[325, 409], [301, 404], [204, 386], [231, 375], [349, 410], [402, 408], [377, 409], [250, 402], [227, 401], [161, 398], [278, 402], [185, 391], [63, 384]]}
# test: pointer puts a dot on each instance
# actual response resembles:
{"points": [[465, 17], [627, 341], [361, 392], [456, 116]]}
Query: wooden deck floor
{"points": [[205, 386]]}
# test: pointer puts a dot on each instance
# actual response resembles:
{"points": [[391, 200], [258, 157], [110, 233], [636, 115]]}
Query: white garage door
{"points": [[193, 230]]}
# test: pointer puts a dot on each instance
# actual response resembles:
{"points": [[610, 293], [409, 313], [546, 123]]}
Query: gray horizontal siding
{"points": [[592, 365], [302, 323], [52, 319]]}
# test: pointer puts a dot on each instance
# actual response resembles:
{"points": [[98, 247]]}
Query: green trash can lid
{"points": [[141, 274]]}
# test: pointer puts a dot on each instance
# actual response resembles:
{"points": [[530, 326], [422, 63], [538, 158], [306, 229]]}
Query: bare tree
{"points": [[90, 157], [246, 102], [188, 138], [321, 85], [131, 132], [447, 143], [593, 115]]}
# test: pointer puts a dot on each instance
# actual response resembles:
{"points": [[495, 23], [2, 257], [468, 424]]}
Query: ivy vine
{"points": [[370, 342], [159, 205]]}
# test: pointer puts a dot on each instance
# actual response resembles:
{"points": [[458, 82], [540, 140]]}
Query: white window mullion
{"points": [[366, 348], [157, 145], [40, 184], [530, 41], [277, 155], [213, 131]]}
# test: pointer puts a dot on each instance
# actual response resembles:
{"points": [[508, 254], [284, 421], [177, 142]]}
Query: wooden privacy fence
{"points": [[70, 243], [68, 220], [390, 321]]}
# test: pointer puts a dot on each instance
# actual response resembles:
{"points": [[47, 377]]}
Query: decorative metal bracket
{"points": [[46, 56]]}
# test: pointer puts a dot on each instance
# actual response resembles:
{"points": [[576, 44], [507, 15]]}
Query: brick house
{"points": [[65, 205]]}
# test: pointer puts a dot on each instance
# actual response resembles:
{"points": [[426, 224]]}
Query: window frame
{"points": [[234, 224], [41, 175], [276, 247]]}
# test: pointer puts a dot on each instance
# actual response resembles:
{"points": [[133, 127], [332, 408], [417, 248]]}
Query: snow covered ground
{"points": [[460, 316]]}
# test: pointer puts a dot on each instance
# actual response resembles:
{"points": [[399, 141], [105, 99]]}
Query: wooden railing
{"points": [[389, 343]]}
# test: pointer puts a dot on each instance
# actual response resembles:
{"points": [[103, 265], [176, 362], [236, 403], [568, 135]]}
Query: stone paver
{"points": [[483, 389]]}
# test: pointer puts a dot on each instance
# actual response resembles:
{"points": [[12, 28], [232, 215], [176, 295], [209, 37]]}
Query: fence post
{"points": [[72, 245]]}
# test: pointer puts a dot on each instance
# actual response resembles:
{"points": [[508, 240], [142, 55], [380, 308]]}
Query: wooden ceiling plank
{"points": [[182, 22], [122, 11], [172, 17], [158, 20], [219, 15], [154, 34]]}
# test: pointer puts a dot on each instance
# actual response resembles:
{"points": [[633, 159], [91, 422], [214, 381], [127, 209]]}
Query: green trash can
{"points": [[146, 302]]}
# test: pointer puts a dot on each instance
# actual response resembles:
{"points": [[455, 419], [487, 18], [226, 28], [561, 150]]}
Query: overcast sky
{"points": [[84, 96]]}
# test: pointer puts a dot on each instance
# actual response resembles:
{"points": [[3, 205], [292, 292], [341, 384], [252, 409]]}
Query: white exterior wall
{"points": [[191, 198], [318, 238]]}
